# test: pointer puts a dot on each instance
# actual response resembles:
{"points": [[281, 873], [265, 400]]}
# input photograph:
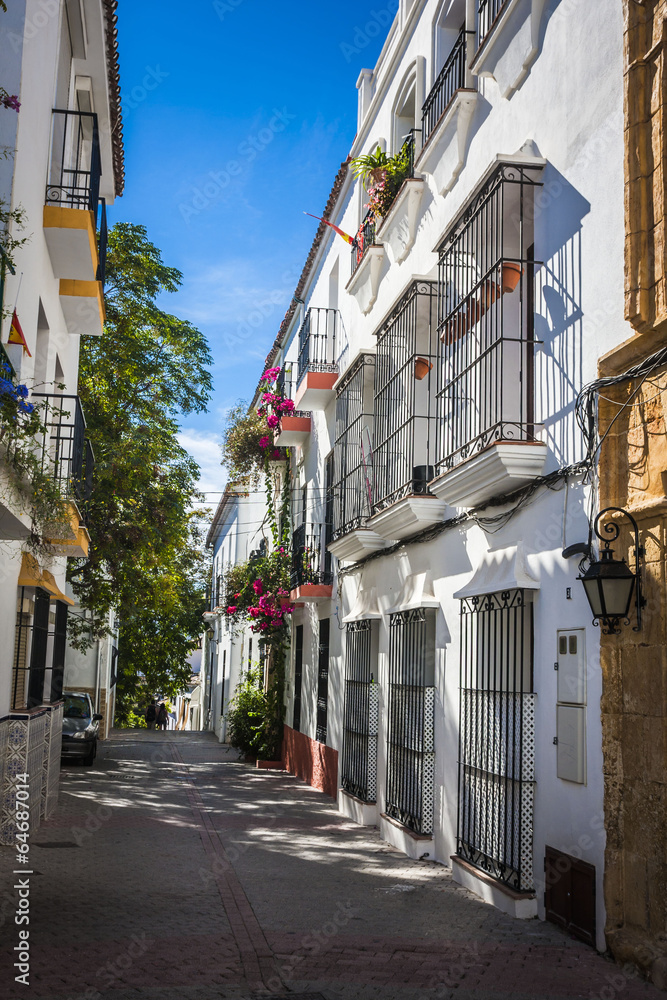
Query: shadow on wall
{"points": [[559, 211]]}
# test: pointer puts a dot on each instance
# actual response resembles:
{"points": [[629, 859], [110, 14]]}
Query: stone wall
{"points": [[634, 701], [633, 475]]}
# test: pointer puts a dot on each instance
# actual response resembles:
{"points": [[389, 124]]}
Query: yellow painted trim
{"points": [[32, 575], [85, 290], [56, 217]]}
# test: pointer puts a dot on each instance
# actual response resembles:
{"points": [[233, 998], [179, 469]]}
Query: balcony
{"points": [[68, 458], [352, 481], [447, 115], [72, 214], [508, 36], [311, 576], [294, 428], [405, 417], [317, 370], [398, 229], [486, 400]]}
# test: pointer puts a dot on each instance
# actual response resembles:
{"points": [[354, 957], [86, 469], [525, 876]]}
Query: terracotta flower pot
{"points": [[422, 368], [511, 275]]}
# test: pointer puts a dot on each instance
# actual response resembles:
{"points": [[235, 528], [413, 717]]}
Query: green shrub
{"points": [[249, 716]]}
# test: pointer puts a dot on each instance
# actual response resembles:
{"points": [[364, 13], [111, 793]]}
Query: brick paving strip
{"points": [[257, 958], [249, 884]]}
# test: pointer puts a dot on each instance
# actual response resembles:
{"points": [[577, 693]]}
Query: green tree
{"points": [[145, 560]]}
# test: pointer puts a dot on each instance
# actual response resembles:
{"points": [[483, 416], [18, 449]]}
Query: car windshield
{"points": [[76, 707]]}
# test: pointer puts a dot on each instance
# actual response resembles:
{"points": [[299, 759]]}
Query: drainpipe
{"points": [[97, 675]]}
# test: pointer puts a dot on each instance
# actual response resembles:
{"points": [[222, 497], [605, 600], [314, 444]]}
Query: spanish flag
{"points": [[348, 239], [16, 334]]}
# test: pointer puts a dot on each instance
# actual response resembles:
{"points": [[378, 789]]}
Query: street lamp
{"points": [[610, 584]]}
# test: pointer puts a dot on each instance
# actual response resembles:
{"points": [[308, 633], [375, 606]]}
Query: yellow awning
{"points": [[32, 575]]}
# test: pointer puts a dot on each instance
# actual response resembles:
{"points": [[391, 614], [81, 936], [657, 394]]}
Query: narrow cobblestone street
{"points": [[171, 870]]}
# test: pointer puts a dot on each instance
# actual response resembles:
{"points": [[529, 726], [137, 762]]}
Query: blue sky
{"points": [[237, 114]]}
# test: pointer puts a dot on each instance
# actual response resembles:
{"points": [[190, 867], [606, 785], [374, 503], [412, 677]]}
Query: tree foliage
{"points": [[145, 560]]}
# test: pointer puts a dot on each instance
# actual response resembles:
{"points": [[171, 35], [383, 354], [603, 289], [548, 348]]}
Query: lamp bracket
{"points": [[611, 528]]}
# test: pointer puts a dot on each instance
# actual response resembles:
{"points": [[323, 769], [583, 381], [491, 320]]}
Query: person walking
{"points": [[162, 716], [151, 715]]}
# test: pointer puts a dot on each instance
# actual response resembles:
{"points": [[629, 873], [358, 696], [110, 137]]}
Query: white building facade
{"points": [[62, 163], [239, 530], [444, 663]]}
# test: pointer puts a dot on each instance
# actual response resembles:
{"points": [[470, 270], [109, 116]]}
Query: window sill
{"points": [[365, 281], [444, 155]]}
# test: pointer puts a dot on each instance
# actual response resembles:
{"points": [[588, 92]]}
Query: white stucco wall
{"points": [[569, 110]]}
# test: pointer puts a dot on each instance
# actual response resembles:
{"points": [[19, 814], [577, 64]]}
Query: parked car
{"points": [[80, 727]]}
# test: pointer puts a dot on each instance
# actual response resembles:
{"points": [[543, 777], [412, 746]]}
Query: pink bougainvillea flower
{"points": [[270, 375], [265, 441], [257, 587], [281, 550], [287, 405], [231, 609], [276, 453], [273, 420]]}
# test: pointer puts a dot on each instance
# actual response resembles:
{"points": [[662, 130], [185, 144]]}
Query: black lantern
{"points": [[610, 583]]}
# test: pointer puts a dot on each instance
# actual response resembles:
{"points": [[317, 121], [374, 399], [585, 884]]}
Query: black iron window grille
{"points": [[451, 78], [405, 398], [497, 737], [353, 451], [66, 453], [298, 678], [488, 13], [59, 650], [364, 239], [361, 713], [410, 739], [31, 648], [318, 337], [76, 165], [309, 562], [486, 320], [323, 682]]}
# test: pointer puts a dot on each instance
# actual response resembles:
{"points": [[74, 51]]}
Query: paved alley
{"points": [[171, 870]]}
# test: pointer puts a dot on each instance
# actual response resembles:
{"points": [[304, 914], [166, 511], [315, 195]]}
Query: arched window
{"points": [[405, 112]]}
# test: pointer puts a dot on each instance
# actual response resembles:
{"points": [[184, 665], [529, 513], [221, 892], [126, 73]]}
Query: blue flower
{"points": [[22, 391]]}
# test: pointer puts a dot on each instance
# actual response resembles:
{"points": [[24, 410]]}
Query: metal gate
{"points": [[497, 737], [360, 726], [410, 740]]}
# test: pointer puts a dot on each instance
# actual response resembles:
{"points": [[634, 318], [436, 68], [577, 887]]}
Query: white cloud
{"points": [[205, 449]]}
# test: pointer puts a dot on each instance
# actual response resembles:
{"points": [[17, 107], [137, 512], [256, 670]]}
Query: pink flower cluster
{"points": [[269, 612], [10, 101], [273, 408]]}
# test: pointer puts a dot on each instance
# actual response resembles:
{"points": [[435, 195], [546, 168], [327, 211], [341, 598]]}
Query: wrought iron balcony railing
{"points": [[488, 13], [364, 239], [76, 166], [67, 455], [452, 77], [286, 386], [405, 398], [76, 169], [317, 342], [485, 321], [352, 475], [311, 563]]}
